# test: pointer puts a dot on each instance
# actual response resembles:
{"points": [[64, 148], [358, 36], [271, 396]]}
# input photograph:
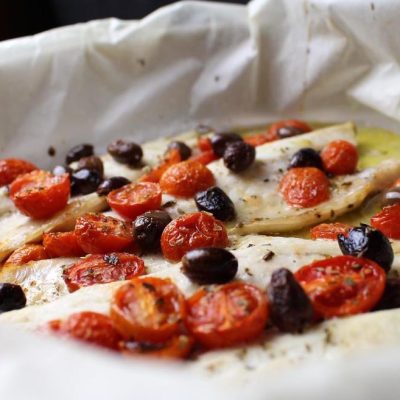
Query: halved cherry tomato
{"points": [[178, 347], [186, 178], [27, 253], [340, 157], [148, 309], [329, 231], [291, 123], [99, 234], [228, 315], [135, 199], [205, 157], [304, 187], [342, 285], [192, 231], [388, 221], [258, 139], [39, 194], [87, 326], [204, 143], [10, 168], [172, 157], [95, 269], [62, 244]]}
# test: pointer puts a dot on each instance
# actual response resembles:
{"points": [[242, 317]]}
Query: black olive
{"points": [[111, 184], [12, 297], [215, 201], [85, 181], [306, 157], [92, 162], [78, 152], [365, 241], [209, 265], [125, 152], [148, 227], [290, 307], [392, 197], [184, 150], [289, 131], [391, 295], [61, 170], [239, 156], [220, 141]]}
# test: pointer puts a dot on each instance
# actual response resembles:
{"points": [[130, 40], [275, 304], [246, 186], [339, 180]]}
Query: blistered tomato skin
{"points": [[239, 156], [79, 151], [190, 232], [62, 244], [186, 178], [388, 221], [340, 157], [304, 187], [220, 141], [288, 128], [11, 168], [27, 253], [329, 231], [172, 157], [306, 157], [215, 201], [367, 242], [12, 297]]}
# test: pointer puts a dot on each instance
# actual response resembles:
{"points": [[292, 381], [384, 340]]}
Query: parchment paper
{"points": [[189, 63]]}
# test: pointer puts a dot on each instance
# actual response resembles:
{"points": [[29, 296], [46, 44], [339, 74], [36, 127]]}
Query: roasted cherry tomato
{"points": [[258, 139], [340, 157], [186, 179], [204, 143], [62, 244], [87, 326], [178, 347], [205, 157], [304, 187], [388, 221], [342, 285], [228, 315], [10, 168], [106, 268], [172, 157], [27, 253], [287, 128], [329, 231], [148, 309], [135, 199], [39, 194], [190, 232], [99, 234]]}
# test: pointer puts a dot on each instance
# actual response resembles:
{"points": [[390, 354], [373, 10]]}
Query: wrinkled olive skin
{"points": [[239, 156], [290, 307], [92, 162], [391, 295], [12, 297], [78, 152], [209, 265], [84, 181], [367, 242], [148, 227], [126, 152], [220, 141], [392, 197], [184, 150], [306, 157], [111, 184], [288, 132], [215, 201], [61, 170]]}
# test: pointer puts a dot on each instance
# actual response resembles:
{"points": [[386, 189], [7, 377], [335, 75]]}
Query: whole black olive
{"points": [[289, 131], [365, 241], [85, 181], [125, 152], [184, 150], [12, 297], [91, 162], [306, 157], [209, 265], [239, 156], [391, 295], [148, 227], [290, 307], [111, 184], [220, 141], [62, 169], [215, 201], [78, 152], [392, 197]]}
